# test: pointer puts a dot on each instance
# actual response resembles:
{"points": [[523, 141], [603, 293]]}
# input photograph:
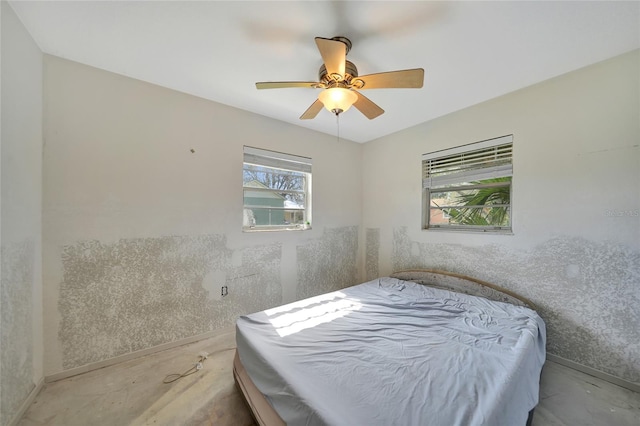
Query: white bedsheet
{"points": [[391, 352]]}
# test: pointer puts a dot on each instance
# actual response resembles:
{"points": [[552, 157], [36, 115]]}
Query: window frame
{"points": [[440, 175], [284, 164]]}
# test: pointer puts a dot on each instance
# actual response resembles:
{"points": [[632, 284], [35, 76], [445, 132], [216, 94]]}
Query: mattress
{"points": [[392, 352]]}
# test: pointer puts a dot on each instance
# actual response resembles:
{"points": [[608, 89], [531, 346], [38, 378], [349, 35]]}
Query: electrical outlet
{"points": [[224, 290]]}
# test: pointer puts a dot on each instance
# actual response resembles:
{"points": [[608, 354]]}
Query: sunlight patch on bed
{"points": [[309, 313]]}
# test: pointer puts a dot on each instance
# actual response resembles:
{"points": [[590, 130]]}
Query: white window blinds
{"points": [[469, 163], [277, 160]]}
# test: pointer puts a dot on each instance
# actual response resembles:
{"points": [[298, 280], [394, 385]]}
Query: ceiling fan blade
{"points": [[285, 84], [334, 54], [403, 79], [367, 107], [312, 111]]}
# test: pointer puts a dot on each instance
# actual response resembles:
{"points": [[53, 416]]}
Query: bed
{"points": [[417, 347]]}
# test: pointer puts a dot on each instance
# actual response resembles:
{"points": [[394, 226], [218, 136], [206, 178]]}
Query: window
{"points": [[469, 187], [276, 191]]}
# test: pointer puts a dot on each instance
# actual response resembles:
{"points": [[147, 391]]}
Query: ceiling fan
{"points": [[341, 84]]}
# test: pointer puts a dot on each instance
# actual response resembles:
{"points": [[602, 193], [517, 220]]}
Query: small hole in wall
{"points": [[192, 150]]}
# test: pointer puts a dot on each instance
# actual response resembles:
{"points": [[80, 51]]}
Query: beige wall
{"points": [[140, 233], [575, 248], [21, 180]]}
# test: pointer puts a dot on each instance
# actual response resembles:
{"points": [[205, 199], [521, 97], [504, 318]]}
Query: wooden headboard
{"points": [[463, 284]]}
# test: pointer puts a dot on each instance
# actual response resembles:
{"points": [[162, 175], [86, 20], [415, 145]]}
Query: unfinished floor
{"points": [[133, 393]]}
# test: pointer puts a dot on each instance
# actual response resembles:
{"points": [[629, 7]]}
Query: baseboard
{"points": [[133, 355], [27, 402], [595, 373]]}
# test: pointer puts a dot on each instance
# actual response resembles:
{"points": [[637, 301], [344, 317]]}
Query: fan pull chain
{"points": [[338, 125]]}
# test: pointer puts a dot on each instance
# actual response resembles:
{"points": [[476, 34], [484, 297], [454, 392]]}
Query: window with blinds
{"points": [[276, 191], [469, 187]]}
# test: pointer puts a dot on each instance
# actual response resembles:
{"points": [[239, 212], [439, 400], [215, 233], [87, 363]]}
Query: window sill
{"points": [[276, 229], [472, 231]]}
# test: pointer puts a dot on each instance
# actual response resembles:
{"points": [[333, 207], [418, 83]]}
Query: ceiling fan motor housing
{"points": [[350, 71]]}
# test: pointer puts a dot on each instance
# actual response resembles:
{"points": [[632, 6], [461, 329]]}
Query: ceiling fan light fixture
{"points": [[337, 99]]}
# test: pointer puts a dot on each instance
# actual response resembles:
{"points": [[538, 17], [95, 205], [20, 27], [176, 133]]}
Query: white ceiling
{"points": [[471, 51]]}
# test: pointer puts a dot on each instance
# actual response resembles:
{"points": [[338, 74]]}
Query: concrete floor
{"points": [[132, 393], [569, 397]]}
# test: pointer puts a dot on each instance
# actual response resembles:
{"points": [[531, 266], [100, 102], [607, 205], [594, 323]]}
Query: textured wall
{"points": [[587, 292], [138, 293], [17, 319], [116, 298], [328, 263], [372, 253]]}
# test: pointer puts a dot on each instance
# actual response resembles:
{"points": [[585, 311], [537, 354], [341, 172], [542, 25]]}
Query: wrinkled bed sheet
{"points": [[391, 352]]}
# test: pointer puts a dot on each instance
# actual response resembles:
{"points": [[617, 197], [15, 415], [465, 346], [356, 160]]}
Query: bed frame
{"points": [[265, 415], [463, 284]]}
